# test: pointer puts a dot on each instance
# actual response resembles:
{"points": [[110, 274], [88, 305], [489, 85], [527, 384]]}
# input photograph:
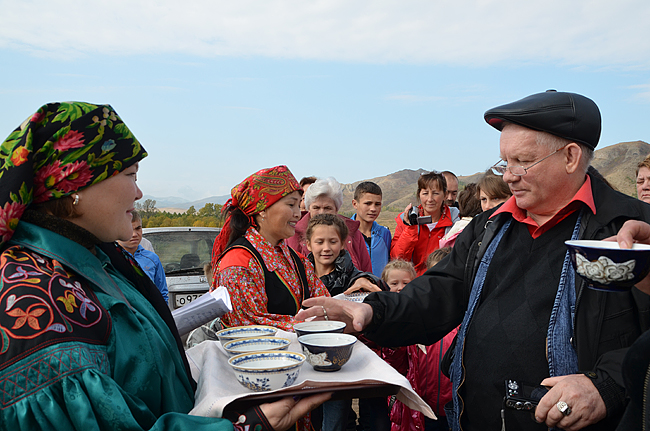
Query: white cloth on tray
{"points": [[217, 385]]}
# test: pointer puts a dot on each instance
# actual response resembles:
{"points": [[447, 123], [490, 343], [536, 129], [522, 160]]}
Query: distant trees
{"points": [[146, 208], [210, 210], [208, 216]]}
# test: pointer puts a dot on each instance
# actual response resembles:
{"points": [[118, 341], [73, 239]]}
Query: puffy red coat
{"points": [[355, 245], [422, 370], [416, 243]]}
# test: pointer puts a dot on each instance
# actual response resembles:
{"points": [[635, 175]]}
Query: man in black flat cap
{"points": [[525, 316]]}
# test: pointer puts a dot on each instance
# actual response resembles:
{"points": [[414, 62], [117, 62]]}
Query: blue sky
{"points": [[352, 89]]}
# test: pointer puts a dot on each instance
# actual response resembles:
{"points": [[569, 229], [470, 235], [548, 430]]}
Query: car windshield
{"points": [[180, 251]]}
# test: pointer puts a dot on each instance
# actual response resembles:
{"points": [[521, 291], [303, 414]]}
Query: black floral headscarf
{"points": [[61, 149]]}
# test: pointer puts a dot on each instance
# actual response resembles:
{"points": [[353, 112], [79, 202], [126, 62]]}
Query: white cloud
{"points": [[476, 32], [642, 92]]}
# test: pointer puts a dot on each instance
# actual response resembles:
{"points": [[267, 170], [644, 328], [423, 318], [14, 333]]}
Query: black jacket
{"points": [[636, 371], [344, 274], [606, 324]]}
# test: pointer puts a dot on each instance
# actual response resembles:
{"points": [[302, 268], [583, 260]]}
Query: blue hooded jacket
{"points": [[379, 249]]}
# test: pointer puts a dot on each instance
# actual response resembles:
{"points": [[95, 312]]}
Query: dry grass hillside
{"points": [[398, 190], [617, 163]]}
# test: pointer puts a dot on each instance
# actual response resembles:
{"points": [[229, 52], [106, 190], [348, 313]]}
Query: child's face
{"points": [[368, 207], [397, 279], [325, 244], [488, 202]]}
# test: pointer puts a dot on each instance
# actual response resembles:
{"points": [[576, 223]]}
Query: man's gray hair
{"points": [[327, 187], [553, 143]]}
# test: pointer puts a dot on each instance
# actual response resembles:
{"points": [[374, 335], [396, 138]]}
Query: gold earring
{"points": [[75, 202]]}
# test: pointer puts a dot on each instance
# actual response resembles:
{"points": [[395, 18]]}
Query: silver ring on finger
{"points": [[563, 408], [325, 313]]}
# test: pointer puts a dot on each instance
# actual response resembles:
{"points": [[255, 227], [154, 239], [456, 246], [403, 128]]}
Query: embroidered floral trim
{"points": [[41, 304]]}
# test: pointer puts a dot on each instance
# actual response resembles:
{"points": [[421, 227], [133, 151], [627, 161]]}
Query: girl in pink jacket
{"points": [[420, 364]]}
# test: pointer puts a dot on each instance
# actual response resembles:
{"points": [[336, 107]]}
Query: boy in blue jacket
{"points": [[148, 260], [367, 203]]}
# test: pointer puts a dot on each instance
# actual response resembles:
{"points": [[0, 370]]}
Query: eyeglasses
{"points": [[501, 167]]}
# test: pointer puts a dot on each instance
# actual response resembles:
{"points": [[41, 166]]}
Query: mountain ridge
{"points": [[178, 203], [617, 163]]}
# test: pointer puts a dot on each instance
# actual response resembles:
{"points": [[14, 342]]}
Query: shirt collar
{"points": [[584, 196], [263, 246]]}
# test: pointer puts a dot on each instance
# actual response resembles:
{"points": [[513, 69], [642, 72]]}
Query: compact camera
{"points": [[415, 217], [522, 396]]}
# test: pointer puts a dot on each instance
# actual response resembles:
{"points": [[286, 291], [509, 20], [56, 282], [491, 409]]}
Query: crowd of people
{"points": [[473, 288], [508, 288]]}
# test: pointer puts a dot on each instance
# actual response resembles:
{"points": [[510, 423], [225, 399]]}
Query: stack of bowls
{"points": [[259, 360]]}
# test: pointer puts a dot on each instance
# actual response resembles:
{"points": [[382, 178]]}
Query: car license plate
{"points": [[185, 298]]}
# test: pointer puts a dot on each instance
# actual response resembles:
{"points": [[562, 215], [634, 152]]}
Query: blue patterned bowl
{"points": [[318, 326], [255, 344], [327, 351], [237, 332], [605, 266], [267, 371]]}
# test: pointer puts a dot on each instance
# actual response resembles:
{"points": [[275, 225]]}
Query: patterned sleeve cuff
{"points": [[251, 420]]}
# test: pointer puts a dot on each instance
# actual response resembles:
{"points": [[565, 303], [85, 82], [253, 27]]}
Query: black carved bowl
{"points": [[327, 351]]}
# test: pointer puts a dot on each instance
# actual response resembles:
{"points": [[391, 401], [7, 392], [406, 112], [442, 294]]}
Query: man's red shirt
{"points": [[583, 196]]}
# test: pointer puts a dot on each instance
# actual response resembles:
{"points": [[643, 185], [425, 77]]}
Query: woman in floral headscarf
{"points": [[266, 279], [88, 342]]}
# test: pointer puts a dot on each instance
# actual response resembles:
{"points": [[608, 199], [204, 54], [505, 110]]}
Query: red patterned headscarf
{"points": [[256, 193], [61, 149]]}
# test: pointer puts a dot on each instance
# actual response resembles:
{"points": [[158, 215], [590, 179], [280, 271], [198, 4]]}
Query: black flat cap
{"points": [[567, 115]]}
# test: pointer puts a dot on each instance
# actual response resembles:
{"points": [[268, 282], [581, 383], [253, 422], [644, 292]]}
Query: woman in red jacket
{"points": [[415, 242]]}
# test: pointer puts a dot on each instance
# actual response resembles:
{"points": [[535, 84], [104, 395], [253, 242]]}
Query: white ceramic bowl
{"points": [[327, 351], [236, 332], [318, 326], [268, 370], [255, 344], [605, 266]]}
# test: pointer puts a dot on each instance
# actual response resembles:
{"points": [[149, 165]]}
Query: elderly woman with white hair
{"points": [[326, 197]]}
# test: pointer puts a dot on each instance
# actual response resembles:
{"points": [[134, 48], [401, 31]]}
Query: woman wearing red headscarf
{"points": [[266, 279]]}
